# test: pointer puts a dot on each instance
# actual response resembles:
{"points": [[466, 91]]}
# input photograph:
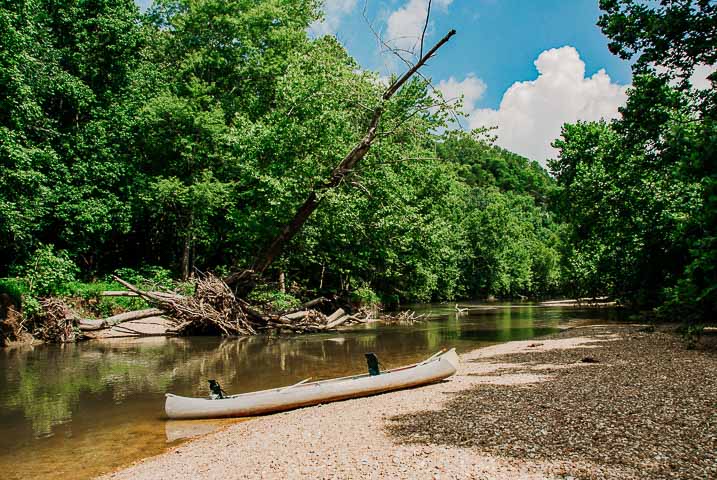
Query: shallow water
{"points": [[79, 410]]}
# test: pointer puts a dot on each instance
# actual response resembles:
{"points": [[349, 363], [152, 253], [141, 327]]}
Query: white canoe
{"points": [[438, 367]]}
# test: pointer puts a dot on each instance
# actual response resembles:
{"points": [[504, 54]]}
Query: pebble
{"points": [[512, 413]]}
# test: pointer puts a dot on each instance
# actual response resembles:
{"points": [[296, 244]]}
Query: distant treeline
{"points": [[186, 136]]}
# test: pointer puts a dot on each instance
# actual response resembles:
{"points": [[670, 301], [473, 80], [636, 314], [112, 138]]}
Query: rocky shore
{"points": [[594, 403]]}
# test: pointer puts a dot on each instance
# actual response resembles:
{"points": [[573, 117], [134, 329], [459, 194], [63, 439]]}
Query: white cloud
{"points": [[471, 88], [531, 113], [405, 25], [698, 79], [334, 11], [699, 76]]}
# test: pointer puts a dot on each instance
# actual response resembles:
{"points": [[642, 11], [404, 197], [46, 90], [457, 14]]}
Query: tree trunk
{"points": [[346, 166], [282, 282], [187, 250]]}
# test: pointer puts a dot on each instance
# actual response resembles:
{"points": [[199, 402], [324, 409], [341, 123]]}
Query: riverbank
{"points": [[639, 406]]}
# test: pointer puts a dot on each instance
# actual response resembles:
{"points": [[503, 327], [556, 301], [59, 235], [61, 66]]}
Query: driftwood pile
{"points": [[214, 308], [57, 322], [406, 317]]}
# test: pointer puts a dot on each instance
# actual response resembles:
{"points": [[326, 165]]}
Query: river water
{"points": [[79, 410]]}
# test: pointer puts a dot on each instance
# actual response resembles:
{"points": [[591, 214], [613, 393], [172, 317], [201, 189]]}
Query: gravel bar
{"points": [[593, 403]]}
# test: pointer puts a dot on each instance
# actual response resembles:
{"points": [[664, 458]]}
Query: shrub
{"points": [[364, 296], [14, 287], [48, 272], [274, 299]]}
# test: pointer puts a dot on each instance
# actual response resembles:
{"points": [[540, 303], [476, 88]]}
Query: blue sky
{"points": [[523, 66], [497, 40]]}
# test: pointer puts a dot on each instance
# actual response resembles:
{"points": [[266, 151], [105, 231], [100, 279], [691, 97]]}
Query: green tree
{"points": [[640, 193]]}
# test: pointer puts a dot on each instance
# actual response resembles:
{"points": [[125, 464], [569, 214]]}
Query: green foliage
{"points": [[365, 296], [483, 164], [274, 299], [628, 196], [639, 193], [15, 288], [515, 247], [148, 277], [187, 137], [674, 34], [48, 272]]}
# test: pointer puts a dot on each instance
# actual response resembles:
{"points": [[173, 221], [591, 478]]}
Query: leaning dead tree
{"points": [[242, 282], [217, 305]]}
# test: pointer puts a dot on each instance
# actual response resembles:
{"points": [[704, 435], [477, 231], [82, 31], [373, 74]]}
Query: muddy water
{"points": [[76, 411]]}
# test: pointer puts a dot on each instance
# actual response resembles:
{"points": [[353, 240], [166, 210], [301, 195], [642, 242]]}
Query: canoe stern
{"points": [[451, 357]]}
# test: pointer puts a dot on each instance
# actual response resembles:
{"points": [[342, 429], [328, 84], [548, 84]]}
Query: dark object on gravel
{"points": [[589, 360]]}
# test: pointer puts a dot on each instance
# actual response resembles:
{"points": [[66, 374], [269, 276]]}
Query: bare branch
{"points": [[398, 83], [267, 256], [386, 46], [425, 26]]}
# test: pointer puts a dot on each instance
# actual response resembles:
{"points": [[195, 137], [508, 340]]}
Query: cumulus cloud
{"points": [[334, 12], [471, 88], [531, 113], [405, 25]]}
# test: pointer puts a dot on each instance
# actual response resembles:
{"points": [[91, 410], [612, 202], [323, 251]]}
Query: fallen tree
{"points": [[92, 324], [215, 308], [243, 282], [218, 305]]}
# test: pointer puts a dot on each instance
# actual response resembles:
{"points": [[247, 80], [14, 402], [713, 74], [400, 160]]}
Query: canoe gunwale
{"points": [[261, 402], [435, 358]]}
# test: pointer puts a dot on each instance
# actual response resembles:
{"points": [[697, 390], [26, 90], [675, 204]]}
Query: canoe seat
{"points": [[372, 362]]}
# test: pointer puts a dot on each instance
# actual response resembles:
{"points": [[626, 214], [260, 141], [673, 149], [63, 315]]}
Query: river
{"points": [[79, 410]]}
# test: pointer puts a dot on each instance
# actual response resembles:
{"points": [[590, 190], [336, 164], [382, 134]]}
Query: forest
{"points": [[178, 141]]}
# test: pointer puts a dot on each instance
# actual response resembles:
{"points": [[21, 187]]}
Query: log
{"points": [[91, 324], [132, 288], [134, 315], [314, 302], [281, 321], [256, 316], [296, 315], [127, 293], [334, 316], [339, 321], [118, 293], [88, 324]]}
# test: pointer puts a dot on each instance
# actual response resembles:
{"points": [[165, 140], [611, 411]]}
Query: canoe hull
{"points": [[275, 400]]}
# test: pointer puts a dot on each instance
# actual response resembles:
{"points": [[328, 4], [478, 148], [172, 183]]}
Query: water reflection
{"points": [[83, 409]]}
